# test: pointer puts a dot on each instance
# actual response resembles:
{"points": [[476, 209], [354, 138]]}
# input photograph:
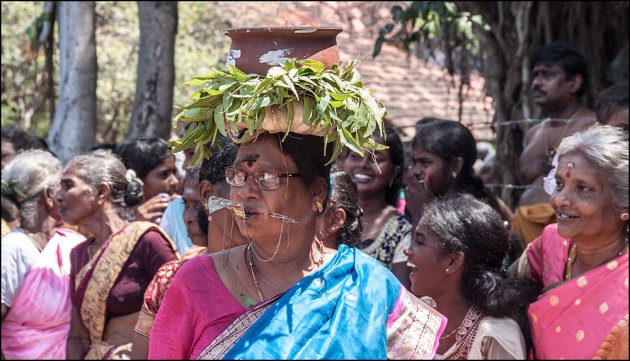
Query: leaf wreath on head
{"points": [[332, 103], [11, 190]]}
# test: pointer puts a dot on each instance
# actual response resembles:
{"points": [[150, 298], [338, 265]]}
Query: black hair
{"points": [[144, 154], [344, 195], [610, 101], [107, 146], [307, 152], [448, 140], [572, 61], [223, 155], [397, 158], [425, 121], [213, 170], [472, 227], [21, 140]]}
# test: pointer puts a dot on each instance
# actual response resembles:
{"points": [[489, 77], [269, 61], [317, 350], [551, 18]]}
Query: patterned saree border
{"points": [[106, 272], [224, 342], [416, 329]]}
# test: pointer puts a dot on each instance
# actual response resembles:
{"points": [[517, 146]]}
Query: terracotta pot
{"points": [[255, 50], [276, 121]]}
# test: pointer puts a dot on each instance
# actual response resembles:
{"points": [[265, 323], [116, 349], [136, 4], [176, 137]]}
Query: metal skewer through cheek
{"points": [[239, 212]]}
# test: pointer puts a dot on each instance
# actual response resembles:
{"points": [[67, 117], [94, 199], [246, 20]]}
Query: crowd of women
{"points": [[282, 256]]}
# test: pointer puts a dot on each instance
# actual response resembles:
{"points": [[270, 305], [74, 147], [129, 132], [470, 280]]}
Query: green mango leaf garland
{"points": [[334, 104]]}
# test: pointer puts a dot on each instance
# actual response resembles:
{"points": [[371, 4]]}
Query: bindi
{"points": [[251, 159], [570, 166]]}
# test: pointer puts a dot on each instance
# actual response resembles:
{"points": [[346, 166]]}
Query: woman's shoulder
{"points": [[490, 326], [505, 332], [14, 240], [17, 244], [550, 240], [189, 272], [398, 222]]}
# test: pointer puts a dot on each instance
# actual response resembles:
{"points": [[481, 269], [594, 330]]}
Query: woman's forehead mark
{"points": [[251, 159]]}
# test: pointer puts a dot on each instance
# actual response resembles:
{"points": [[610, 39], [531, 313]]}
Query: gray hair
{"points": [[606, 149], [102, 166], [33, 171]]}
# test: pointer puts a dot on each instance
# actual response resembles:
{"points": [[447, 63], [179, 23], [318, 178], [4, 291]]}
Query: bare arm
{"points": [[533, 154], [78, 337]]}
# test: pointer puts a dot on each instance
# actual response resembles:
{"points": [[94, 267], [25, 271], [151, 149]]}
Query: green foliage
{"points": [[199, 46], [24, 83], [11, 189], [333, 100], [431, 22]]}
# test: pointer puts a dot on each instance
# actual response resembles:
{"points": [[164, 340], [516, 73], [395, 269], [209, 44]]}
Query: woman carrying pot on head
{"points": [[456, 257], [379, 179], [154, 165], [284, 293], [35, 261], [581, 262], [111, 270], [217, 232]]}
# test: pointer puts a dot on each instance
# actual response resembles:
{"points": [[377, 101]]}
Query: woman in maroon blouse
{"points": [[112, 269]]}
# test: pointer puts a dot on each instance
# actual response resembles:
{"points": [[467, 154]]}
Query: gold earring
{"points": [[624, 216], [320, 208]]}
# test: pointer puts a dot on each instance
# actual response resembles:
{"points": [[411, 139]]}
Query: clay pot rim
{"points": [[271, 29]]}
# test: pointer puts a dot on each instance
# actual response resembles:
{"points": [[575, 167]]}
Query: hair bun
{"points": [[134, 194], [130, 174]]}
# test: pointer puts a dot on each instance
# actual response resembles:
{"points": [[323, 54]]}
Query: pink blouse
{"points": [[196, 309]]}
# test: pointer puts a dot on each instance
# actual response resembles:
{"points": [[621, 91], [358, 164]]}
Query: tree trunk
{"points": [[72, 130], [48, 38], [153, 102]]}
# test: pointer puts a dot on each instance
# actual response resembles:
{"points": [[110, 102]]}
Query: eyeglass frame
{"points": [[255, 179]]}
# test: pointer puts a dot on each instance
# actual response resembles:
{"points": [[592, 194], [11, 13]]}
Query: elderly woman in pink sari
{"points": [[35, 261], [582, 261], [38, 324]]}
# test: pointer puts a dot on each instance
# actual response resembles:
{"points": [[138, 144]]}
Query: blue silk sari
{"points": [[352, 308]]}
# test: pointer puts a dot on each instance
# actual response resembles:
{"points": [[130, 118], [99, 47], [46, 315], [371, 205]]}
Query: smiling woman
{"points": [[456, 258], [386, 231], [583, 259]]}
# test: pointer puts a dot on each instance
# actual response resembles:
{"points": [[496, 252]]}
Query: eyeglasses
{"points": [[264, 180]]}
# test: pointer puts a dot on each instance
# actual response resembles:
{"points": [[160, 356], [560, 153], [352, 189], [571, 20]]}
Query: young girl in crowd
{"points": [[456, 257]]}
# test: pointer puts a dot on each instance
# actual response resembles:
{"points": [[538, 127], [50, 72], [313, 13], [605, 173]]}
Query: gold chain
{"points": [[451, 333], [573, 253], [248, 249], [250, 269]]}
